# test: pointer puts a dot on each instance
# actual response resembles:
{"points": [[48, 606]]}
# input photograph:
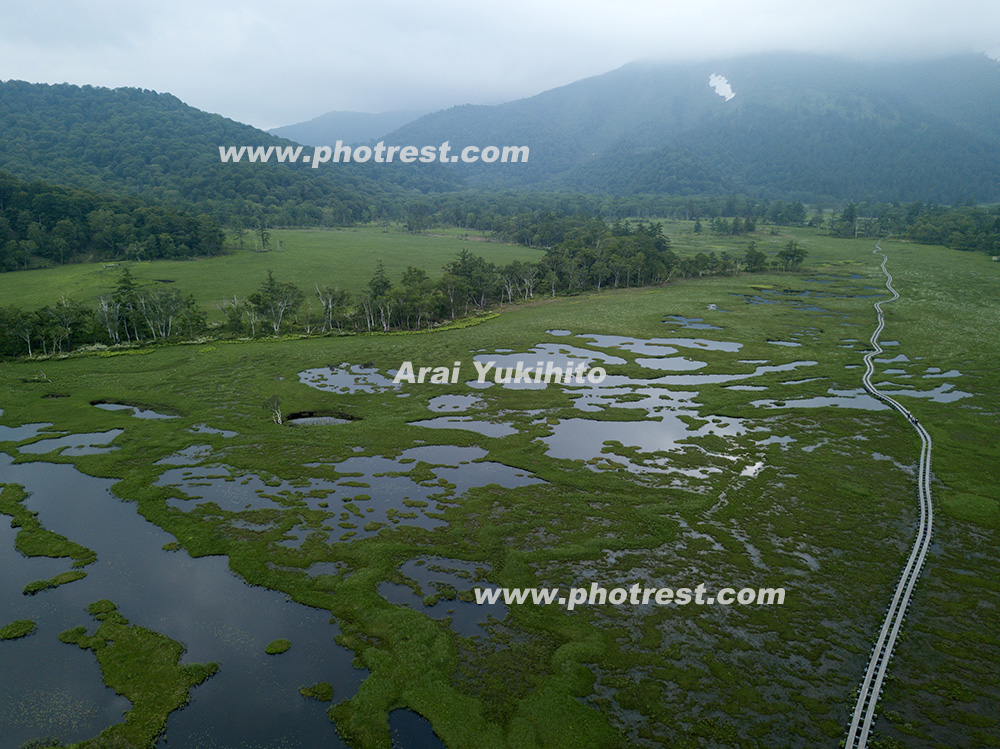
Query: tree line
{"points": [[595, 256], [965, 227], [42, 225]]}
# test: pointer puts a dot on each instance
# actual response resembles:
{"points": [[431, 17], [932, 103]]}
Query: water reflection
{"points": [[485, 428], [374, 491], [347, 378], [252, 701], [46, 687], [410, 730], [23, 432], [139, 413], [94, 443], [459, 403], [836, 398], [692, 323], [442, 579]]}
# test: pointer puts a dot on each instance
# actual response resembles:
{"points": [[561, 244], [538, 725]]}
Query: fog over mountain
{"points": [[788, 126], [270, 65], [785, 125], [349, 127]]}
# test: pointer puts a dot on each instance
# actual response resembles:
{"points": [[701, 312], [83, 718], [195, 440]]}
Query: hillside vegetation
{"points": [[799, 126], [131, 141]]}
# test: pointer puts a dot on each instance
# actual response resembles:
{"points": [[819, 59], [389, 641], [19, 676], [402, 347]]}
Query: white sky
{"points": [[270, 63]]}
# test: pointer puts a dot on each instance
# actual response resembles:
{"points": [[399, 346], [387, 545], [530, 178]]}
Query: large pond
{"points": [[52, 689]]}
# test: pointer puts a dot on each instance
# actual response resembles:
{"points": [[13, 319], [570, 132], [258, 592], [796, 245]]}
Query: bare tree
{"points": [[273, 405]]}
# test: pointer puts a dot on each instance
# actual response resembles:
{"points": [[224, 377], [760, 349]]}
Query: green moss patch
{"points": [[18, 629], [32, 539], [144, 667], [36, 586], [276, 647], [322, 691]]}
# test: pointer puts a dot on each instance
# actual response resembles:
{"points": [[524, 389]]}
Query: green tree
{"points": [[276, 301], [379, 284], [754, 260], [791, 255]]}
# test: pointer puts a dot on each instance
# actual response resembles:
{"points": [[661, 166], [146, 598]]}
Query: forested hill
{"points": [[142, 143], [797, 127]]}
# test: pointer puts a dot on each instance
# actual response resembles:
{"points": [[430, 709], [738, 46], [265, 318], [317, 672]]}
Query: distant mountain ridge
{"points": [[349, 127], [798, 126]]}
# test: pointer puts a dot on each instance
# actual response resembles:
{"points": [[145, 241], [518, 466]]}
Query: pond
{"points": [[445, 577], [137, 411], [54, 689], [375, 490]]}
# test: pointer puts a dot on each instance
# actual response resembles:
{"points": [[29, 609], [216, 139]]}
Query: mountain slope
{"points": [[798, 126], [349, 127], [138, 142]]}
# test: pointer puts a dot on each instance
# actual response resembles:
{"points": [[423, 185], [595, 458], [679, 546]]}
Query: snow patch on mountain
{"points": [[721, 86]]}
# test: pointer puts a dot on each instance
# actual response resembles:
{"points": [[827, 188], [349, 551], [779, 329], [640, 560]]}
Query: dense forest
{"points": [[136, 142], [628, 143], [965, 227], [800, 154], [42, 224]]}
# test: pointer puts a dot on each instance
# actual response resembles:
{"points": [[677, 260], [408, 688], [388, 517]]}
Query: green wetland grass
{"points": [[829, 517], [342, 258], [144, 667]]}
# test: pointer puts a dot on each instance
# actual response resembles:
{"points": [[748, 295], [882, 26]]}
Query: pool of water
{"points": [[365, 498], [252, 701], [691, 323], [347, 378], [139, 413], [673, 420], [46, 688], [659, 346], [435, 575], [410, 730], [205, 429], [943, 393], [584, 439], [453, 403], [191, 455], [23, 432], [485, 428], [835, 398], [307, 421], [94, 443]]}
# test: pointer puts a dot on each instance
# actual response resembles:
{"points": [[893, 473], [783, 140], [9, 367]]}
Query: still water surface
{"points": [[49, 688]]}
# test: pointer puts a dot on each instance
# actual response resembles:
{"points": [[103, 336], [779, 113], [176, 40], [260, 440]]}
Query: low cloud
{"points": [[272, 65]]}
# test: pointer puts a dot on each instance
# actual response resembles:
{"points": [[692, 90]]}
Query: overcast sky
{"points": [[271, 64]]}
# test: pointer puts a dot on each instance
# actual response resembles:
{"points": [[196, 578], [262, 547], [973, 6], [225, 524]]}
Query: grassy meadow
{"points": [[830, 517], [342, 258]]}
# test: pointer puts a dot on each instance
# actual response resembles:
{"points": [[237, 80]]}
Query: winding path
{"points": [[871, 686]]}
